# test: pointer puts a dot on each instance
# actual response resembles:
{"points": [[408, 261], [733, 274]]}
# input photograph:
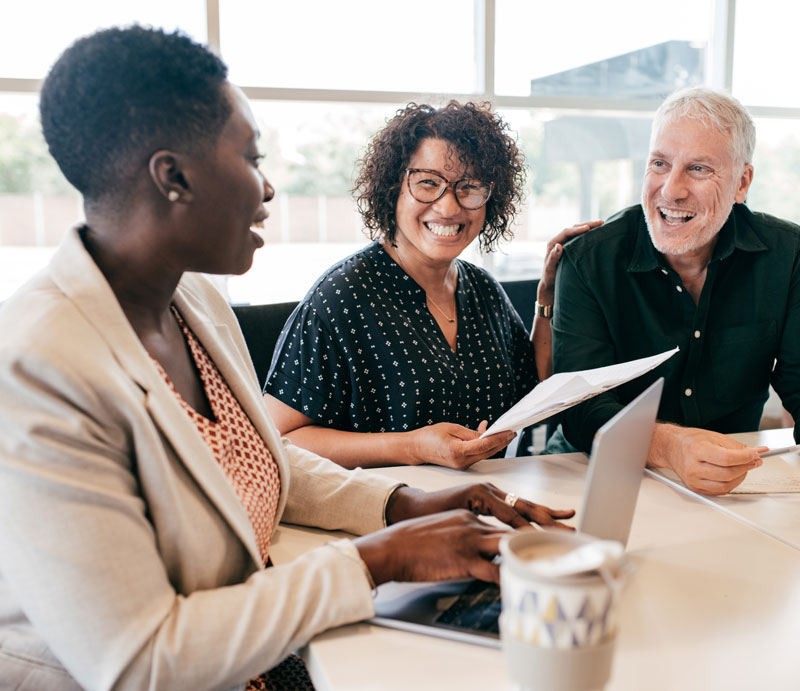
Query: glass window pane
{"points": [[765, 53], [617, 48], [776, 165], [41, 29], [352, 44], [37, 204], [311, 151], [582, 166]]}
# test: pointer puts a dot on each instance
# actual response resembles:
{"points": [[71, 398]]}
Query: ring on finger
{"points": [[511, 499]]}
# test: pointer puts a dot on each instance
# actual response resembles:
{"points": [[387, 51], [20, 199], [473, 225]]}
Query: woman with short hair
{"points": [[141, 479]]}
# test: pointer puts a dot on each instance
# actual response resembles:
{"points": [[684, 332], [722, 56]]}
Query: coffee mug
{"points": [[558, 624]]}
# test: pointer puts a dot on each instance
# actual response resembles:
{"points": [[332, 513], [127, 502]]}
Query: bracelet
{"points": [[545, 311]]}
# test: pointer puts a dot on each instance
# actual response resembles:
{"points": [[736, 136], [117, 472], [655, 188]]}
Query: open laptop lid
{"points": [[616, 467]]}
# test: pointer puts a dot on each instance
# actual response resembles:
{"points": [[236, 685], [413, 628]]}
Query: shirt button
{"points": [[679, 289], [697, 334], [688, 392]]}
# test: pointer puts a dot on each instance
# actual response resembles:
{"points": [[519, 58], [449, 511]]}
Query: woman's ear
{"points": [[166, 171]]}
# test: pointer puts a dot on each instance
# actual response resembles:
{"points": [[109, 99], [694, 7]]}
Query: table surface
{"points": [[714, 602], [777, 515]]}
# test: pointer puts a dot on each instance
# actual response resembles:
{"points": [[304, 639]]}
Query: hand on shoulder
{"points": [[546, 291]]}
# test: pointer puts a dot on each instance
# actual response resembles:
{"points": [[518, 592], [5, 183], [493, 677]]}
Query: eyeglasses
{"points": [[427, 186]]}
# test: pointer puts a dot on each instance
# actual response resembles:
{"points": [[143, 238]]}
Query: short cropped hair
{"points": [[479, 138], [716, 108], [117, 96]]}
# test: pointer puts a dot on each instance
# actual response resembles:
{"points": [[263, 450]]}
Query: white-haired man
{"points": [[691, 266]]}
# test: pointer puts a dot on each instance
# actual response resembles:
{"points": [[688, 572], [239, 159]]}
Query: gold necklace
{"points": [[433, 302], [452, 319]]}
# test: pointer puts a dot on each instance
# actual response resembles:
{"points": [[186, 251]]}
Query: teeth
{"points": [[257, 224], [444, 231], [670, 213]]}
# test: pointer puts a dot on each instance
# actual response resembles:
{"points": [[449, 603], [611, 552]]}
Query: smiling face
{"points": [[437, 232], [690, 185], [229, 192]]}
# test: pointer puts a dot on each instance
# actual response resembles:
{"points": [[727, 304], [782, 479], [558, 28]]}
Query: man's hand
{"points": [[454, 446], [706, 462]]}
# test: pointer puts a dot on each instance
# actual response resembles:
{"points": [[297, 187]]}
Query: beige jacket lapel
{"points": [[76, 274], [216, 327]]}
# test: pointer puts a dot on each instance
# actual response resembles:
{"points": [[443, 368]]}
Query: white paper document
{"points": [[566, 389]]}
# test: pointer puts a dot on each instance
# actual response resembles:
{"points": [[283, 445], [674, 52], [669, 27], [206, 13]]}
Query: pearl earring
{"points": [[173, 195]]}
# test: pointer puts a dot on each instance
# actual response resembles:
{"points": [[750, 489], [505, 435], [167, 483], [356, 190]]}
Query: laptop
{"points": [[467, 611]]}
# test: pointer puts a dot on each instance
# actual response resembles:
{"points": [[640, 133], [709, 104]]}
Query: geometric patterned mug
{"points": [[557, 632]]}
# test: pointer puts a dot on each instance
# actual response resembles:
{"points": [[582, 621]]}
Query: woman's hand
{"points": [[452, 445], [455, 544], [437, 535], [479, 498], [547, 285]]}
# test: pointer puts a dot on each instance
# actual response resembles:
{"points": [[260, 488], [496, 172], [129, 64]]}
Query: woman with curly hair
{"points": [[402, 353]]}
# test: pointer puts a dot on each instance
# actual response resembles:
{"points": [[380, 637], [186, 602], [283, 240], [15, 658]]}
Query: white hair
{"points": [[716, 108]]}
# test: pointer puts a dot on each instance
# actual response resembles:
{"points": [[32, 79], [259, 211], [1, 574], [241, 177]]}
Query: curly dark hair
{"points": [[479, 137], [116, 96]]}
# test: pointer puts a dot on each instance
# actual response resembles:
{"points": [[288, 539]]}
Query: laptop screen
{"points": [[467, 611]]}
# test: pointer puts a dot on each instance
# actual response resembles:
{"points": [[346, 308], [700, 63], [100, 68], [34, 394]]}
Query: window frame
{"points": [[720, 72]]}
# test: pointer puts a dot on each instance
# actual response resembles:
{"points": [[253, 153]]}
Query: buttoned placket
{"points": [[695, 318]]}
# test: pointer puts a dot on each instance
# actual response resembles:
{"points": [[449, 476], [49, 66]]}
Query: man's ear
{"points": [[745, 181], [166, 171]]}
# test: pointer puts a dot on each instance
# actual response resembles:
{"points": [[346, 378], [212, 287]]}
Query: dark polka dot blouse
{"points": [[362, 352]]}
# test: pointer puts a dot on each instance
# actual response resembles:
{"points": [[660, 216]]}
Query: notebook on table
{"points": [[468, 611]]}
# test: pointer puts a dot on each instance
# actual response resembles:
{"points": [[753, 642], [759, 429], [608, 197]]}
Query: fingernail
{"points": [[759, 462]]}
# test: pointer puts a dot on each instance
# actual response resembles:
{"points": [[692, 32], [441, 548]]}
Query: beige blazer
{"points": [[126, 558]]}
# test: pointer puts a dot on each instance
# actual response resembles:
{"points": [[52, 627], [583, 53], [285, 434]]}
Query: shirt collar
{"points": [[737, 233], [394, 273]]}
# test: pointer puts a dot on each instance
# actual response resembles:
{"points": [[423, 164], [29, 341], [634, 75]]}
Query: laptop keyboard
{"points": [[476, 609]]}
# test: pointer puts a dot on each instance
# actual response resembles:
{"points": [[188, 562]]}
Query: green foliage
{"points": [[547, 180], [25, 164], [324, 162]]}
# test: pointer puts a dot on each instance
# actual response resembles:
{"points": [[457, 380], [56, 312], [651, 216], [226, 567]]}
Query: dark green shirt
{"points": [[617, 299]]}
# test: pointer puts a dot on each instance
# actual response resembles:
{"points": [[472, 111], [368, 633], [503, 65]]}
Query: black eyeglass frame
{"points": [[448, 185]]}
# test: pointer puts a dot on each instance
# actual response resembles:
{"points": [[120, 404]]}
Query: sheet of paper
{"points": [[566, 389], [775, 476]]}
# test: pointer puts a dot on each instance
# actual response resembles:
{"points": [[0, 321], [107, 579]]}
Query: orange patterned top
{"points": [[236, 444]]}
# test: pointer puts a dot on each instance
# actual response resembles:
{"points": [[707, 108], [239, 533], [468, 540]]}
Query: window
{"points": [[311, 150], [612, 49], [356, 45], [765, 46], [777, 168], [577, 81], [42, 29]]}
